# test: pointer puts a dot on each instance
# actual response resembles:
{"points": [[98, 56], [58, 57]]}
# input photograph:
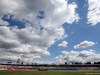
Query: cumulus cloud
{"points": [[93, 12], [78, 56], [43, 21], [84, 44], [63, 44], [2, 22]]}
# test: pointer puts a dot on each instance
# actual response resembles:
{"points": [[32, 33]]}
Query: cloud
{"points": [[63, 44], [2, 22], [84, 44], [78, 56], [39, 34], [93, 12]]}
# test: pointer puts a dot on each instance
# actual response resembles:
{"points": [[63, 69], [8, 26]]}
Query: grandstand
{"points": [[49, 67]]}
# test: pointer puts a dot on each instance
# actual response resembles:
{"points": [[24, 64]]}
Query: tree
{"points": [[35, 63], [18, 61], [88, 63], [32, 64], [76, 62], [21, 63], [65, 63], [96, 62], [9, 62], [72, 63]]}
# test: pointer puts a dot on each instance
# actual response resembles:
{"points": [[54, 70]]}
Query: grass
{"points": [[6, 72]]}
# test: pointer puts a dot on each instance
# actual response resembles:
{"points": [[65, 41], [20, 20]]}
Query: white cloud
{"points": [[93, 12], [84, 44], [78, 56], [63, 44], [58, 57], [33, 42], [2, 22]]}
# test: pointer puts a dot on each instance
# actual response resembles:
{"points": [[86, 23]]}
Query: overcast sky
{"points": [[50, 31]]}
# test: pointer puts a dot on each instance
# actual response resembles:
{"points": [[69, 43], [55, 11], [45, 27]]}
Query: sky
{"points": [[49, 31]]}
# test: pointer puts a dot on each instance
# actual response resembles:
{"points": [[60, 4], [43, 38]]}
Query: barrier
{"points": [[18, 67]]}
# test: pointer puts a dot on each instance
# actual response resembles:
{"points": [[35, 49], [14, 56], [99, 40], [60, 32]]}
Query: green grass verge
{"points": [[6, 72]]}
